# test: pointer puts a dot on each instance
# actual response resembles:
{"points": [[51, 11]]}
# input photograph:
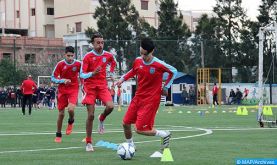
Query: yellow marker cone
{"points": [[239, 110], [267, 111], [167, 157], [244, 111], [119, 109]]}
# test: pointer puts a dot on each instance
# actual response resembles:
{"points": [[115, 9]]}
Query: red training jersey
{"points": [[215, 90], [28, 87], [150, 77], [93, 60], [64, 70]]}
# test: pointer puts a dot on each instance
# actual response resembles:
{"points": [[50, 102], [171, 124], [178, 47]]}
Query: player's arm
{"points": [[35, 86], [127, 76], [172, 72], [55, 77], [85, 73], [112, 64]]}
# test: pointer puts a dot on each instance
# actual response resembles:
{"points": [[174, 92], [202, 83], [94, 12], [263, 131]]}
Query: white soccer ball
{"points": [[126, 151]]}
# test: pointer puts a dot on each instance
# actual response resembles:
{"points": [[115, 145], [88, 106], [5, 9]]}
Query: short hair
{"points": [[96, 35], [69, 49], [147, 44]]}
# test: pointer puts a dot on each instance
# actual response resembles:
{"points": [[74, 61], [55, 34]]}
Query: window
{"points": [[50, 11], [182, 86], [30, 58], [17, 14], [144, 5], [33, 12], [78, 26], [7, 56]]}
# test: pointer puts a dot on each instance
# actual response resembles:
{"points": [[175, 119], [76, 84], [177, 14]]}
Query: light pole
{"points": [[14, 66]]}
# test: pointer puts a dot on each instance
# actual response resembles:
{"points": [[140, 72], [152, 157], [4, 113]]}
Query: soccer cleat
{"points": [[165, 141], [58, 139], [101, 128], [69, 129], [89, 147]]}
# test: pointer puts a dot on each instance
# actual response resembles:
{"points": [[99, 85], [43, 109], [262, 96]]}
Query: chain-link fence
{"points": [[38, 56]]}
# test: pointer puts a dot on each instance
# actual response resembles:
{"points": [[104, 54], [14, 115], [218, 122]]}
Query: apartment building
{"points": [[33, 18], [65, 19], [191, 18], [54, 19]]}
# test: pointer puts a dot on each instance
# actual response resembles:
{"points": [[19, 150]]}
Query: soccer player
{"points": [[28, 87], [142, 110], [93, 71], [66, 75]]}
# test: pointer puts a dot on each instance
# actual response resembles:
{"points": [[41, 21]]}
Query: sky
{"points": [[251, 6]]}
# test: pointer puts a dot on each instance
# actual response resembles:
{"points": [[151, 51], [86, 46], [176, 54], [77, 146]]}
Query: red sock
{"points": [[102, 117], [88, 139]]}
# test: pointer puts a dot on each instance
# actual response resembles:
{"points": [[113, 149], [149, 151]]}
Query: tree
{"points": [[120, 24], [172, 35], [231, 19], [8, 74], [207, 34]]}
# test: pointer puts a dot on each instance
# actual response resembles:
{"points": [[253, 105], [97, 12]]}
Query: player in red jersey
{"points": [[142, 110], [28, 88], [93, 71], [66, 75]]}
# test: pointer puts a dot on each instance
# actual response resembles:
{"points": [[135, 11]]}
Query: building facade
{"points": [[54, 19]]}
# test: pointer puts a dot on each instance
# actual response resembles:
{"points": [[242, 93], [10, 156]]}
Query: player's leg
{"points": [[70, 122], [105, 96], [24, 104], [62, 103], [72, 99], [129, 118], [30, 100], [58, 138], [145, 123], [89, 101], [89, 126]]}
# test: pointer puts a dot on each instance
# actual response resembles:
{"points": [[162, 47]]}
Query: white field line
{"points": [[207, 132], [77, 132]]}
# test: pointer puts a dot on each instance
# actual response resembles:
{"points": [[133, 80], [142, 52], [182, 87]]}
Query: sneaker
{"points": [[69, 129], [89, 147], [58, 139], [101, 128], [165, 141]]}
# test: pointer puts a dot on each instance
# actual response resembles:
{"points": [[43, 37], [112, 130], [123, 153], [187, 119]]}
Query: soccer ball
{"points": [[126, 151]]}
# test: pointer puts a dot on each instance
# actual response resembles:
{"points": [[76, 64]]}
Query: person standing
{"points": [[143, 107], [93, 71], [28, 87], [232, 97], [215, 92], [118, 96], [66, 75], [245, 92], [184, 95]]}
